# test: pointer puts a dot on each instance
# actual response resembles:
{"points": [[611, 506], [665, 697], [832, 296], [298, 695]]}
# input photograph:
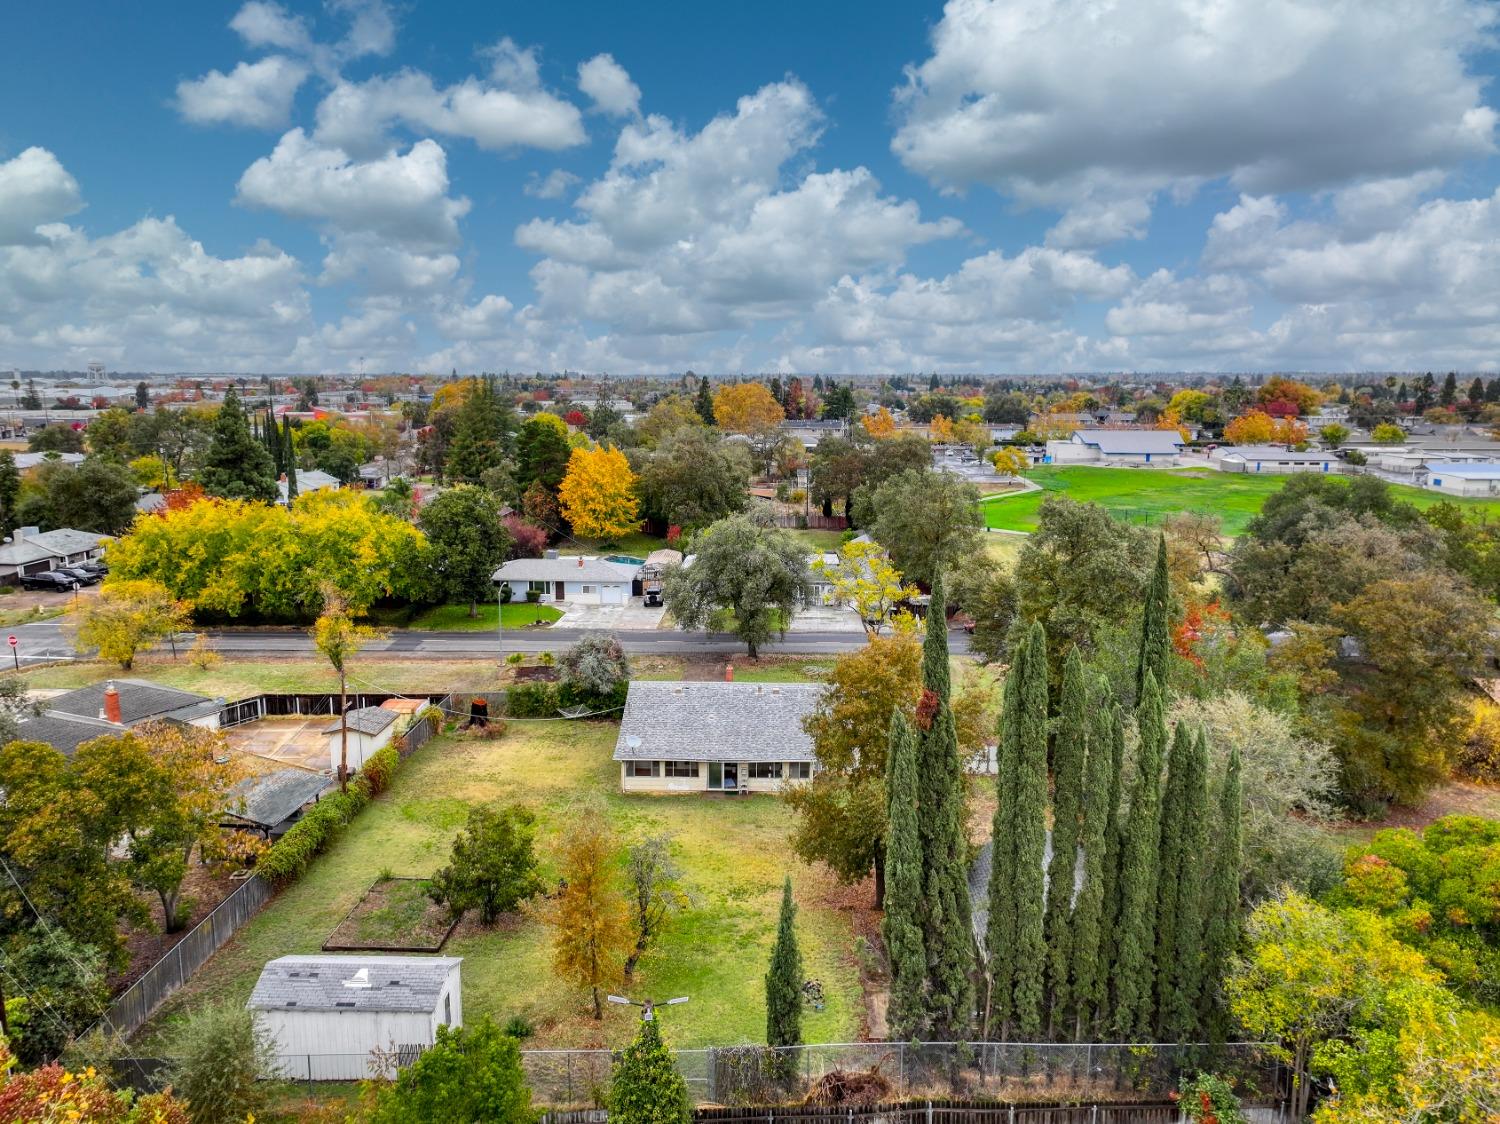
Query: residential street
{"points": [[46, 641]]}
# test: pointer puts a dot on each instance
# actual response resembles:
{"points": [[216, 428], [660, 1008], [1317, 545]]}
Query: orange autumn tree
{"points": [[1254, 427], [940, 430], [880, 424], [598, 493]]}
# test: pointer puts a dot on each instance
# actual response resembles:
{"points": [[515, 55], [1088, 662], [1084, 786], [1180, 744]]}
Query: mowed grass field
{"points": [[1149, 495], [733, 852]]}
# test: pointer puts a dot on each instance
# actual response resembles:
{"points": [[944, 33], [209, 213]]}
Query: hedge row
{"points": [[542, 700], [287, 859]]}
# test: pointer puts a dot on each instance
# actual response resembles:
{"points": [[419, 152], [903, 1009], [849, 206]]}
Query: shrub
{"points": [[379, 768], [470, 1073], [595, 673], [289, 856], [519, 1027], [493, 865], [533, 596], [573, 694], [531, 700], [1209, 1097], [202, 655], [219, 1055], [1480, 755]]}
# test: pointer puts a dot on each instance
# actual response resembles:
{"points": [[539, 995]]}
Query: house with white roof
{"points": [[580, 579], [308, 480], [1267, 459], [326, 1014], [1480, 478], [715, 737], [1118, 447]]}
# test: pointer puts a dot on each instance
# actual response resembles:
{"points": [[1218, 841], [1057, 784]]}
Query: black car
{"points": [[85, 577], [99, 569], [54, 580]]}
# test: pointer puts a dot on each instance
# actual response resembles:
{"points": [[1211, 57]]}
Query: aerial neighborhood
{"points": [[928, 563]]}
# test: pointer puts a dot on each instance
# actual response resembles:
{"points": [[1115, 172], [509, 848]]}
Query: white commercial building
{"points": [[1271, 459], [1117, 447], [1475, 479], [326, 1014]]}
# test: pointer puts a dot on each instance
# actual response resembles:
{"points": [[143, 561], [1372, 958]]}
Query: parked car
{"points": [[86, 577], [92, 566], [54, 580]]}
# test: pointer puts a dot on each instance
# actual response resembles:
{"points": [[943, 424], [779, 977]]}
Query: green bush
{"points": [[219, 1059], [575, 694], [379, 768], [470, 1073], [531, 700]]}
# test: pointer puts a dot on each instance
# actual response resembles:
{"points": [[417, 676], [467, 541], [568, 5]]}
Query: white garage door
{"points": [[611, 595]]}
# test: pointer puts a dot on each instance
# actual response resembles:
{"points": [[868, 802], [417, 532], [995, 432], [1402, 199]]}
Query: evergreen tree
{"points": [[1156, 639], [903, 885], [1030, 859], [480, 433], [236, 466], [1450, 389], [1492, 391], [1000, 927], [1476, 390], [1068, 753], [1185, 972], [1089, 982], [646, 1087], [10, 491], [289, 459], [1221, 929], [784, 979], [1135, 951], [1114, 834], [1169, 859], [704, 402], [947, 936]]}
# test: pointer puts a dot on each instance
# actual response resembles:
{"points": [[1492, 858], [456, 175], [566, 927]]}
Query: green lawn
{"points": [[235, 679], [1150, 495], [455, 618], [733, 851], [637, 544], [819, 540]]}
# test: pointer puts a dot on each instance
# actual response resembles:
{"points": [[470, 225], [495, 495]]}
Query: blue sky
{"points": [[990, 185]]}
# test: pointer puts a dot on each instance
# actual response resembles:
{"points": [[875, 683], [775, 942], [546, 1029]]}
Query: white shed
{"points": [[326, 1013], [370, 729]]}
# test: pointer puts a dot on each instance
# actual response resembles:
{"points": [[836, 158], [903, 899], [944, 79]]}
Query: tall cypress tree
{"points": [[784, 979], [1185, 972], [704, 402], [1114, 832], [1089, 984], [1000, 931], [1169, 861], [1068, 751], [1221, 930], [1031, 842], [947, 934], [1135, 951], [903, 885], [1156, 639]]}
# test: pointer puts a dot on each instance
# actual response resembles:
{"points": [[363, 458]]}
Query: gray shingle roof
{"points": [[1132, 441], [364, 720], [139, 700], [49, 544], [272, 797], [667, 721], [317, 983], [64, 732], [1274, 453], [563, 570]]}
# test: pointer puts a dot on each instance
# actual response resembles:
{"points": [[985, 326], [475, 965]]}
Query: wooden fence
{"points": [[140, 1000], [814, 521], [311, 704], [918, 1112]]}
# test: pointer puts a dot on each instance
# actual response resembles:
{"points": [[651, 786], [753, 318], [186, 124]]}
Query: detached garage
{"points": [[327, 1013]]}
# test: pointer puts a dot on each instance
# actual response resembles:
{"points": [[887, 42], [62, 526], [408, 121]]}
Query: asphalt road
{"points": [[46, 641]]}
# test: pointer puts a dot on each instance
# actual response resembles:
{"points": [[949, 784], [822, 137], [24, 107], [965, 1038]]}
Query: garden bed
{"points": [[395, 915]]}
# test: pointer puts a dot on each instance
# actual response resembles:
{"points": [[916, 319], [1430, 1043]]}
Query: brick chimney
{"points": [[111, 711], [580, 561], [729, 673]]}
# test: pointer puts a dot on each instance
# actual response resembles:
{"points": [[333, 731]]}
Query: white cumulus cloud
{"points": [[608, 85], [257, 94]]}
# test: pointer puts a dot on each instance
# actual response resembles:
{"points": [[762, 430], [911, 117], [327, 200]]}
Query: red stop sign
{"points": [[12, 641]]}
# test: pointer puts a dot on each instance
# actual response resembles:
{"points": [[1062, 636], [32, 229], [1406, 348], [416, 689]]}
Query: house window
{"points": [[588, 589], [447, 1010], [765, 770], [643, 768], [682, 768], [799, 770], [539, 587]]}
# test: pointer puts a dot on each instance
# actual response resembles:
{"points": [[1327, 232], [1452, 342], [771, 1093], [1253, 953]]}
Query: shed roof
{"points": [[666, 721], [352, 983], [139, 700], [571, 569], [272, 797], [1125, 442], [363, 720]]}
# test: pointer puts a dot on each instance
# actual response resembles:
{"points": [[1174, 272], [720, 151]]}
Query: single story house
{"points": [[80, 715], [580, 579], [1117, 446], [308, 480], [29, 462], [1271, 459], [272, 802], [370, 729], [30, 550], [715, 737], [327, 1013], [1474, 479]]}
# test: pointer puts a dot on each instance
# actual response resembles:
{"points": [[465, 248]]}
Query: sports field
{"points": [[1147, 495]]}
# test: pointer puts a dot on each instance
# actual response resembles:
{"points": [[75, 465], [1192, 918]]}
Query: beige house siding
{"points": [[664, 783]]}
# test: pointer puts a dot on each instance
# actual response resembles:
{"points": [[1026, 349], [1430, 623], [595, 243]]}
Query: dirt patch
{"points": [[203, 889], [1458, 798], [395, 915]]}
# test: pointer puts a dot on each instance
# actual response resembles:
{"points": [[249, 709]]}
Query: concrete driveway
{"points": [[826, 618], [612, 618]]}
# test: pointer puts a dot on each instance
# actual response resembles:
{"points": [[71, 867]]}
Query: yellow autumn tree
{"points": [[129, 617], [590, 916], [879, 424], [748, 408], [864, 578], [1253, 427], [598, 493], [940, 430], [1010, 460]]}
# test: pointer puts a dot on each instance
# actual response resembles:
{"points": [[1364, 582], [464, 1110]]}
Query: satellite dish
{"points": [[632, 741]]}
